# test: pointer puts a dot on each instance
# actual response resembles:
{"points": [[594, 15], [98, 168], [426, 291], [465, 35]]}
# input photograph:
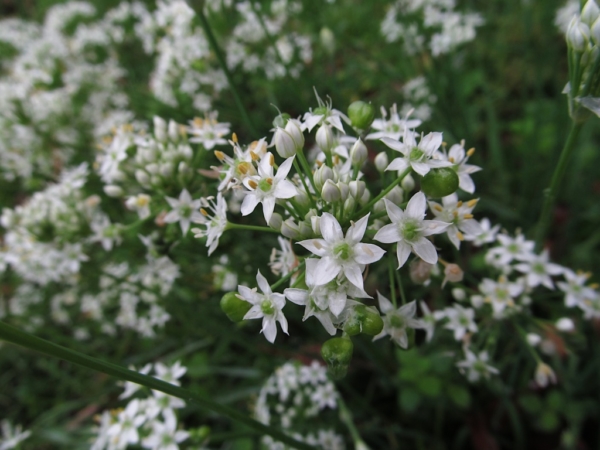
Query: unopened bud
{"points": [[590, 12], [363, 319], [381, 161], [565, 324], [183, 168], [166, 169], [452, 273], [359, 153], [152, 168], [330, 192], [533, 339], [595, 32], [337, 353], [113, 191], [349, 204], [396, 195], [365, 198], [160, 129], [322, 174], [420, 271], [357, 188], [327, 40], [301, 198], [289, 229], [234, 307], [379, 206], [305, 230], [294, 129], [284, 144], [578, 35], [408, 183], [361, 114], [315, 222], [173, 131], [324, 138], [459, 294], [544, 375], [142, 177], [344, 190], [276, 221]]}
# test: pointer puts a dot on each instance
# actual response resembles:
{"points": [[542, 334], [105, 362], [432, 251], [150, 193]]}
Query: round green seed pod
{"points": [[234, 307], [361, 114], [440, 182], [370, 321], [337, 353]]}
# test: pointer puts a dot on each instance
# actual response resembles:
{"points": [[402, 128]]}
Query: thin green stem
{"points": [[287, 277], [15, 336], [383, 193], [312, 200], [401, 287], [269, 36], [550, 192], [219, 54], [239, 226], [391, 276], [346, 417], [304, 163]]}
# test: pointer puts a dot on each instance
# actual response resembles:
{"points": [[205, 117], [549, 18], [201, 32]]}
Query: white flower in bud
{"points": [[294, 128], [322, 174], [381, 161], [302, 198], [276, 221], [379, 206], [349, 204], [365, 198], [396, 195], [160, 129], [408, 183], [544, 375], [142, 177], [113, 191], [327, 40], [420, 271], [533, 339], [173, 131], [578, 35], [289, 229], [357, 188], [459, 294], [315, 222], [595, 32], [305, 230], [152, 168], [284, 143], [324, 138], [183, 167], [452, 273], [344, 189], [590, 12], [330, 192], [155, 180], [565, 324], [166, 169], [359, 153]]}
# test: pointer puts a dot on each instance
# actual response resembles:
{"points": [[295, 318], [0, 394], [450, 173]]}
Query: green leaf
{"points": [[459, 395], [430, 386], [530, 403], [409, 399], [548, 421]]}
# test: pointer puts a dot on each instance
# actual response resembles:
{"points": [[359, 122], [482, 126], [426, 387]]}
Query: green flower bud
{"points": [[361, 114], [363, 319], [440, 182], [234, 307], [281, 120], [337, 353]]}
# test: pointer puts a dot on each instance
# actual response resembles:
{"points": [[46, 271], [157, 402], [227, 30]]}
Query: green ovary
{"points": [[264, 185], [267, 307], [416, 154], [343, 251], [410, 231]]}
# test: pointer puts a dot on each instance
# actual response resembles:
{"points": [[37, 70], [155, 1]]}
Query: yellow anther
{"points": [[502, 279], [243, 168], [253, 184], [472, 202], [468, 216], [220, 155], [271, 159], [198, 121], [510, 302], [336, 159], [451, 159], [319, 163], [438, 207], [234, 137], [470, 152], [270, 181], [444, 144], [455, 214], [459, 204], [460, 236], [254, 156], [594, 285], [203, 212]]}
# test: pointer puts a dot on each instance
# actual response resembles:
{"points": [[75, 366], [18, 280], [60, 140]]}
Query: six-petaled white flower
{"points": [[409, 230], [185, 210], [397, 321]]}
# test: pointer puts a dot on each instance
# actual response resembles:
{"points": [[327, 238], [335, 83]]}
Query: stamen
{"points": [[459, 204], [470, 152], [234, 138], [438, 207], [271, 159], [203, 212], [472, 203], [220, 155], [460, 236], [253, 184], [468, 216], [451, 159], [270, 181], [254, 156]]}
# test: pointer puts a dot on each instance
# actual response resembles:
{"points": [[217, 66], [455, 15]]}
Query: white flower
{"points": [[208, 131], [538, 270], [458, 215], [544, 375], [116, 152], [500, 294], [170, 374], [12, 436], [409, 229], [215, 224], [267, 306], [509, 249], [139, 203], [418, 157], [125, 430], [458, 157], [460, 320], [565, 324], [283, 261], [393, 127], [476, 366], [428, 321], [487, 234], [575, 289], [165, 435], [130, 387], [397, 321], [265, 187], [185, 210], [342, 254]]}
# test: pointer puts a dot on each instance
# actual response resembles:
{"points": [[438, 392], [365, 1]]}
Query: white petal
{"points": [[465, 182], [297, 296], [317, 246], [285, 189], [416, 206], [331, 229], [409, 310], [394, 144], [337, 303], [263, 284], [388, 234], [283, 322], [431, 142], [268, 207], [284, 168], [385, 305], [254, 313], [326, 270], [326, 322], [367, 253], [394, 212], [403, 252], [356, 232], [399, 164], [269, 329], [425, 250], [354, 274], [430, 227], [249, 203], [421, 168]]}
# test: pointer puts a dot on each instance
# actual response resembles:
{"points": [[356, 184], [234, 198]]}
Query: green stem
{"points": [[550, 193], [239, 226], [401, 287], [270, 38], [287, 277], [219, 54], [391, 276], [383, 193], [346, 417], [15, 336], [306, 167], [312, 200]]}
